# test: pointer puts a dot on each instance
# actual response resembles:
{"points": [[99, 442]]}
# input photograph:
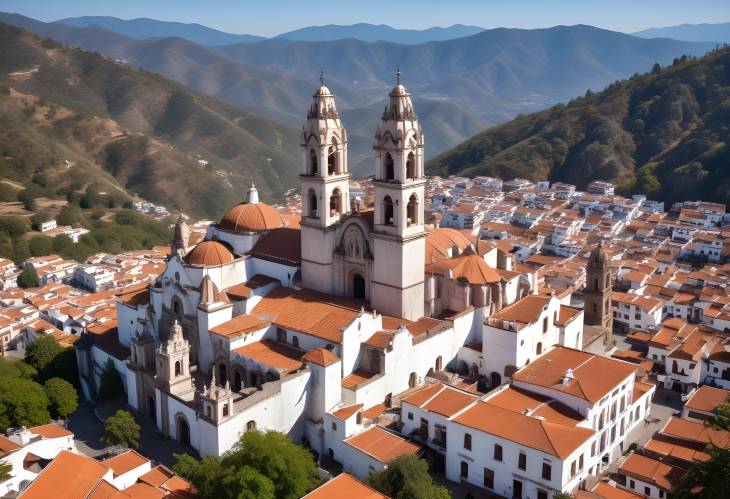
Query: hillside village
{"points": [[527, 339]]}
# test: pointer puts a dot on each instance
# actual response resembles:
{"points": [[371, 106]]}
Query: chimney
{"points": [[568, 376]]}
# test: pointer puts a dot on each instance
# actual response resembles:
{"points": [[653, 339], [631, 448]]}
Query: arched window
{"points": [[222, 374], [178, 368], [411, 166], [183, 431], [313, 169], [538, 350], [332, 159], [251, 425], [237, 385], [312, 196], [336, 202], [412, 380], [389, 167], [412, 210], [388, 218], [225, 410], [439, 363], [295, 341]]}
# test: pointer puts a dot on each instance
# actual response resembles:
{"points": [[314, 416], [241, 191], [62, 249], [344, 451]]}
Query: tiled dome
{"points": [[248, 217], [208, 254]]}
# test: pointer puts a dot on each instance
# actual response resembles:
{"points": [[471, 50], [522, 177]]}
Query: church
{"points": [[263, 325]]}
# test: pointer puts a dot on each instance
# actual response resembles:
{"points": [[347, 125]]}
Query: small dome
{"points": [[399, 90], [322, 91], [208, 254], [247, 217]]}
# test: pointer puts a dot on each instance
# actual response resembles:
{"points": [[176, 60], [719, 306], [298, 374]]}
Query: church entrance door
{"points": [[358, 287]]}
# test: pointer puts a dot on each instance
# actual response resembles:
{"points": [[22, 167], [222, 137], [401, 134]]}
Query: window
{"points": [[225, 410], [547, 471], [572, 468], [488, 478], [280, 335], [464, 469], [334, 426], [661, 494], [580, 462], [593, 449], [251, 425], [522, 461], [410, 416], [497, 452], [541, 494], [632, 484], [544, 325], [467, 441], [439, 437], [647, 491]]}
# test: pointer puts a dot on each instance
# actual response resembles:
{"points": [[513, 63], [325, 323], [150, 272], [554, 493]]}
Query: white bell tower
{"points": [[399, 234], [325, 182]]}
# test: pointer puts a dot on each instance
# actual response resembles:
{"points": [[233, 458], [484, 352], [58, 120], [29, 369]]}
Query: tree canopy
{"points": [[62, 397], [22, 403], [122, 429], [261, 465], [708, 479], [41, 352], [28, 278], [407, 477]]}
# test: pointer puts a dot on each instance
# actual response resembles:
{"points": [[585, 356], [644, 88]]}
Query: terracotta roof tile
{"points": [[239, 325], [282, 245], [675, 450], [344, 486], [247, 217], [527, 403], [548, 437], [208, 254], [347, 412], [593, 376], [652, 471], [696, 432], [320, 357], [125, 462], [68, 475], [707, 398], [351, 381], [50, 430], [381, 444], [273, 354]]}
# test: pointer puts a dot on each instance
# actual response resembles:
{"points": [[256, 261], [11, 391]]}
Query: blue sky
{"points": [[270, 17]]}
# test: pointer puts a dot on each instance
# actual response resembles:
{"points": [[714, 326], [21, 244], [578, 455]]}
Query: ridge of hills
{"points": [[664, 134], [132, 130]]}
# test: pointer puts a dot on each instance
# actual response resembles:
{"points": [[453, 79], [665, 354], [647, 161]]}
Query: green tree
{"points": [[15, 226], [263, 465], [6, 471], [41, 245], [708, 479], [407, 477], [290, 467], [69, 215], [42, 351], [7, 193], [656, 68], [29, 195], [28, 278], [122, 429], [22, 403], [206, 474], [62, 397], [16, 369], [248, 483]]}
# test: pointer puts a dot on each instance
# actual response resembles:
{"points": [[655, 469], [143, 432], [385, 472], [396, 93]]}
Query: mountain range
{"points": [[460, 86], [379, 33], [79, 117], [690, 32], [664, 134]]}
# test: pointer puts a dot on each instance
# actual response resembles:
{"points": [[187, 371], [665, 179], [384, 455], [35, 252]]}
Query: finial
{"points": [[397, 75], [212, 380], [321, 77]]}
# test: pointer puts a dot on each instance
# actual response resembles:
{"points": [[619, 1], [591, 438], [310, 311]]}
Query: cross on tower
{"points": [[397, 75], [321, 77]]}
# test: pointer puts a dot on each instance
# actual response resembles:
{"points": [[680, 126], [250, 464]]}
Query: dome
{"points": [[248, 217], [440, 241], [468, 267], [322, 91], [208, 254]]}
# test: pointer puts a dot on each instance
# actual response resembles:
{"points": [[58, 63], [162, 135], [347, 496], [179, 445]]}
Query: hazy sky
{"points": [[270, 17]]}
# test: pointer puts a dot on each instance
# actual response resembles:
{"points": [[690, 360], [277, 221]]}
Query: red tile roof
{"points": [[381, 444]]}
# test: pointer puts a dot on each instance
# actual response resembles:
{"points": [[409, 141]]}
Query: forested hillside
{"points": [[78, 117], [664, 134]]}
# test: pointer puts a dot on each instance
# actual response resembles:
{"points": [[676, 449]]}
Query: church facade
{"points": [[263, 325]]}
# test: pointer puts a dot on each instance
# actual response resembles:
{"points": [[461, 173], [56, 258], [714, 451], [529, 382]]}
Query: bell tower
{"points": [[597, 292], [325, 182], [180, 238], [173, 365], [399, 234]]}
